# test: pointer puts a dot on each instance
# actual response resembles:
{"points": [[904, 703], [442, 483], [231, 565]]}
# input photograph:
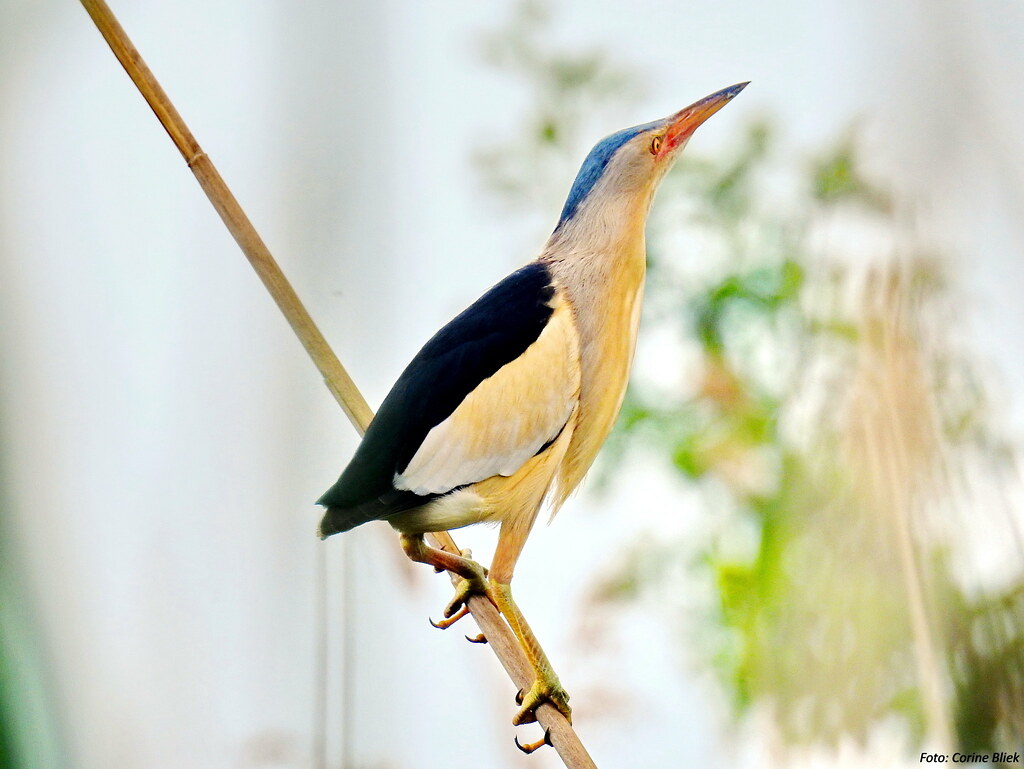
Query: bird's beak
{"points": [[682, 124]]}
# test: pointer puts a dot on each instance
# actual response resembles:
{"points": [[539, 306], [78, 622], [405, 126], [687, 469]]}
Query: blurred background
{"points": [[804, 543]]}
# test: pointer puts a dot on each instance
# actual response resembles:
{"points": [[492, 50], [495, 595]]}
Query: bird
{"points": [[506, 407]]}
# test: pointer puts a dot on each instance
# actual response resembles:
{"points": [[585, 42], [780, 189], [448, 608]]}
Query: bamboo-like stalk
{"points": [[344, 390], [896, 356]]}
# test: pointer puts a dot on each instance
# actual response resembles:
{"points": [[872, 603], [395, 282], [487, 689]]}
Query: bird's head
{"points": [[625, 168]]}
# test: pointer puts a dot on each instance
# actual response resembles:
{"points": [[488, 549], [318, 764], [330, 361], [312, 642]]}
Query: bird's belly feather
{"points": [[607, 345]]}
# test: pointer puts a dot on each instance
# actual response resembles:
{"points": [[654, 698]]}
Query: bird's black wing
{"points": [[493, 331]]}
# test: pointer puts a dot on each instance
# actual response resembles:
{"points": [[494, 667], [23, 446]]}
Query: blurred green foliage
{"points": [[806, 421], [28, 734]]}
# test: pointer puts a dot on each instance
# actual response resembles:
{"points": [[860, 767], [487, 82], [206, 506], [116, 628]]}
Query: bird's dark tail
{"points": [[337, 520]]}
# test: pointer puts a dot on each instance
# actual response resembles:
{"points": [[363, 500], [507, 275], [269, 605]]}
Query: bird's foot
{"points": [[547, 688], [473, 582]]}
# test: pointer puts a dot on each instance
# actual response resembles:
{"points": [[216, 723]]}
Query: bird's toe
{"points": [[545, 689], [458, 607]]}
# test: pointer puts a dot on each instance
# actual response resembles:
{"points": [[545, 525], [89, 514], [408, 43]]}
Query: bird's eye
{"points": [[655, 145]]}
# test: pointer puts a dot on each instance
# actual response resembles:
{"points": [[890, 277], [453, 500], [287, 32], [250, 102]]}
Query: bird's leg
{"points": [[473, 582], [546, 687]]}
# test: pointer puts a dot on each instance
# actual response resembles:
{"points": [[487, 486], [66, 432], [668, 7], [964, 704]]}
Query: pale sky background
{"points": [[166, 435]]}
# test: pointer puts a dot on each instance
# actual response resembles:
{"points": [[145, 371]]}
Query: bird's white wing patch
{"points": [[507, 418]]}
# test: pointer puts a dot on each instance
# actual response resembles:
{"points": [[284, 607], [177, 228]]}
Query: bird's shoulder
{"points": [[511, 313]]}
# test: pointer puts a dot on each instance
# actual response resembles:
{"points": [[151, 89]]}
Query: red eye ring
{"points": [[655, 145]]}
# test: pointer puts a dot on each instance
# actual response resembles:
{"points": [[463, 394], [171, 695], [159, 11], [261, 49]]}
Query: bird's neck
{"points": [[599, 257], [609, 229]]}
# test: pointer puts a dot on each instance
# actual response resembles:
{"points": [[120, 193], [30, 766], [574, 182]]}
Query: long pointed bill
{"points": [[685, 122]]}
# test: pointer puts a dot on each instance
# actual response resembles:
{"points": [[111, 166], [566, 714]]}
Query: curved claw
{"points": [[530, 747], [477, 639], [448, 621]]}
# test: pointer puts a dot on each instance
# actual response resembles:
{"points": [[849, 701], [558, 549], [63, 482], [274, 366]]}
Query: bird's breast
{"points": [[605, 295]]}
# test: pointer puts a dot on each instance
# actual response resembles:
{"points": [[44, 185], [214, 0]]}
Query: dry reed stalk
{"points": [[562, 736], [899, 447]]}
